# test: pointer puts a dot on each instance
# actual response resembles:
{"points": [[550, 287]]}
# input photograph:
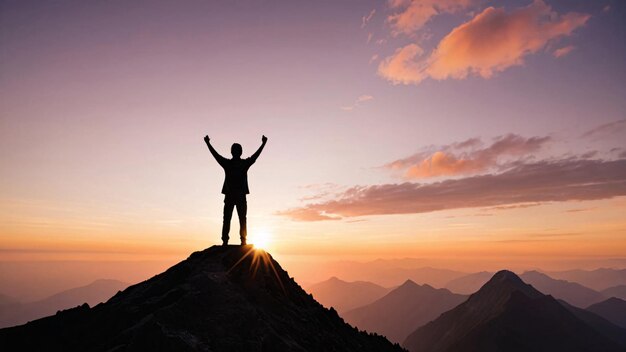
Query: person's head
{"points": [[236, 150]]}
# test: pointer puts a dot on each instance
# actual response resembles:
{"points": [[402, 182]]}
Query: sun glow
{"points": [[261, 239]]}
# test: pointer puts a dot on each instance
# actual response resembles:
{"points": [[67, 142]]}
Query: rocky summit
{"points": [[224, 298]]}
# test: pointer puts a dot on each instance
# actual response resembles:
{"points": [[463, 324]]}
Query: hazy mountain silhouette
{"points": [[508, 315], [402, 310], [94, 293], [599, 279], [613, 310], [571, 292], [7, 300], [469, 284], [225, 298], [598, 323], [386, 272], [343, 295], [615, 291]]}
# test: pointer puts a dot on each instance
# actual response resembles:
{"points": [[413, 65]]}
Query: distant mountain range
{"points": [[343, 295], [571, 292], [613, 310], [387, 272], [469, 284], [615, 291], [599, 279], [225, 298], [236, 298], [402, 310], [13, 312], [507, 314]]}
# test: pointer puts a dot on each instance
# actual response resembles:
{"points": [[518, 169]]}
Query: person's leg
{"points": [[228, 214], [242, 209]]}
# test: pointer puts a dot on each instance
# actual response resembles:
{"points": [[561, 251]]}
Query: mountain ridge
{"points": [[403, 309], [224, 298], [93, 293], [507, 314], [343, 295]]}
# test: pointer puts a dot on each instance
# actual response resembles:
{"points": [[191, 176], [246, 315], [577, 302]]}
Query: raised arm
{"points": [[256, 154], [220, 159]]}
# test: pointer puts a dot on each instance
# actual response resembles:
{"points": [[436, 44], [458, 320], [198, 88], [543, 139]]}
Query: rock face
{"points": [[508, 315], [403, 310], [232, 298]]}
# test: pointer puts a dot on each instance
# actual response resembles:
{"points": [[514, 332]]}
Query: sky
{"points": [[473, 130]]}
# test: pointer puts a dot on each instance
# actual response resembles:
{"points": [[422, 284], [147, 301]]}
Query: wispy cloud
{"points": [[365, 19], [544, 181], [358, 102], [491, 42], [579, 210], [412, 15], [611, 128], [560, 52]]}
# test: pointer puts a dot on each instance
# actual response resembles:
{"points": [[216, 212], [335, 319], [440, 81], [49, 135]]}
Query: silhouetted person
{"points": [[235, 185]]}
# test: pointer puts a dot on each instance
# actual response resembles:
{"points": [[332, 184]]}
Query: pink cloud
{"points": [[539, 182], [366, 19], [492, 41], [560, 52], [358, 102], [607, 129], [415, 14], [467, 157]]}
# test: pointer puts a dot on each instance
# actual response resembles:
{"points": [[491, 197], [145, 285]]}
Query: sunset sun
{"points": [[261, 239]]}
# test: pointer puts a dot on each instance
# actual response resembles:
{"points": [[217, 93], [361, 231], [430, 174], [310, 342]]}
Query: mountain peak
{"points": [[507, 281], [224, 298], [409, 283], [507, 314], [506, 275]]}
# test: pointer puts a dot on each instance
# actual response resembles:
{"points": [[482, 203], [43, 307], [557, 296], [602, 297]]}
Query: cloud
{"points": [[415, 14], [563, 51], [514, 206], [363, 98], [373, 58], [579, 210], [305, 214], [545, 181], [491, 42], [358, 102], [606, 129], [467, 157], [365, 19]]}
